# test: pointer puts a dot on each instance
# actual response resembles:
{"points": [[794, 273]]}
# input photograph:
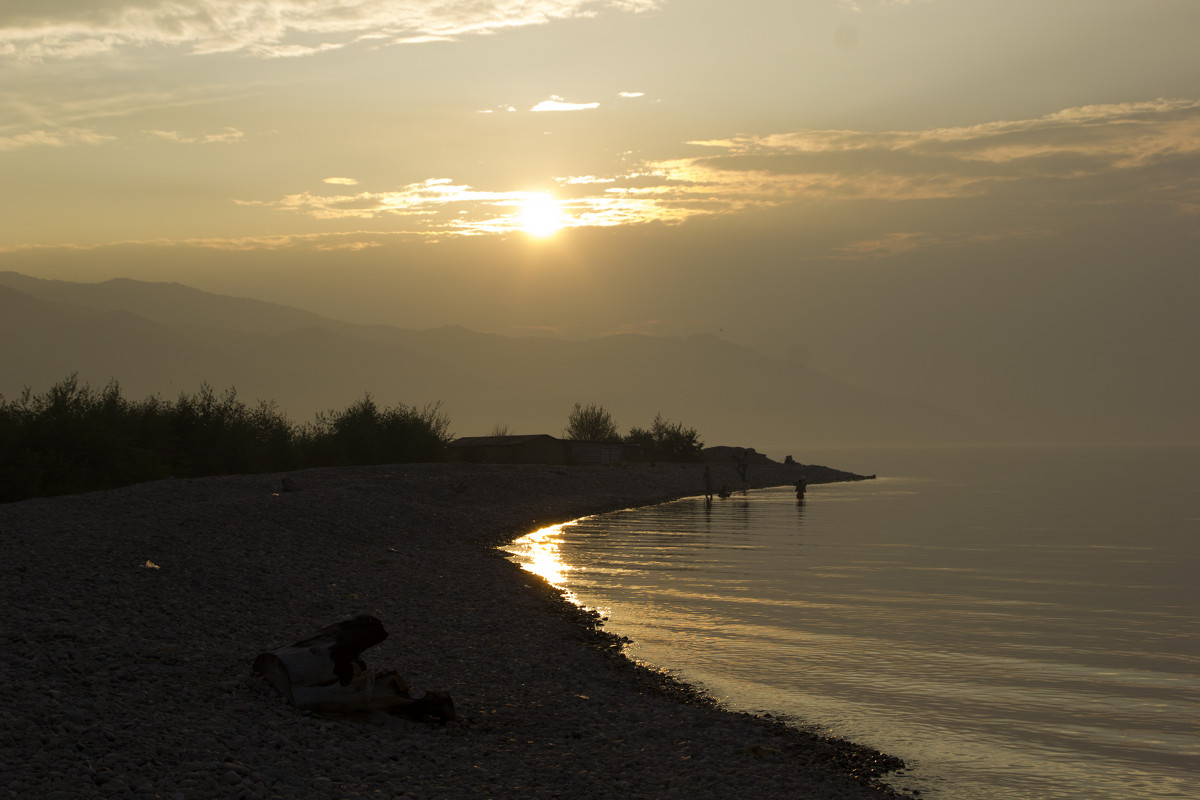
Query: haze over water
{"points": [[1013, 623]]}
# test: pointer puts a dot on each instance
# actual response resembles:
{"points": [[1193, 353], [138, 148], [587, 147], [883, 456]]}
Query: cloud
{"points": [[431, 198], [1130, 132], [631, 94], [34, 107], [556, 103], [441, 206], [1135, 152], [1069, 145], [324, 241], [61, 137], [341, 181], [584, 179], [35, 31], [226, 136], [905, 241]]}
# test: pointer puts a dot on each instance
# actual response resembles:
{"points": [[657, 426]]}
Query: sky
{"points": [[988, 206]]}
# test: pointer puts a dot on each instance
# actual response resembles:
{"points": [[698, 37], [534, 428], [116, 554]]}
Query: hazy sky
{"points": [[852, 182]]}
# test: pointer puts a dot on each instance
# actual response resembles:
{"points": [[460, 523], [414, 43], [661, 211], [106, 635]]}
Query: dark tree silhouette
{"points": [[667, 441], [591, 423]]}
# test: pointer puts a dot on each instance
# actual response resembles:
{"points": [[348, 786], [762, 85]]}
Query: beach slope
{"points": [[132, 617]]}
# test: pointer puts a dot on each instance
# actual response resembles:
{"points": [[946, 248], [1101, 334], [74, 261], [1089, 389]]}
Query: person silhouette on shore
{"points": [[708, 485]]}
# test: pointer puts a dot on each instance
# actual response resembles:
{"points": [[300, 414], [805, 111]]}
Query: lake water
{"points": [[1013, 623]]}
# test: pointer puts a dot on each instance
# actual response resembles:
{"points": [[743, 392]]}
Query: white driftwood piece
{"points": [[291, 670], [324, 673], [369, 691]]}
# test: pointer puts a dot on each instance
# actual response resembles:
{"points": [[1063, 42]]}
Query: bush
{"points": [[363, 434], [74, 439], [71, 439], [667, 441], [209, 435], [590, 423]]}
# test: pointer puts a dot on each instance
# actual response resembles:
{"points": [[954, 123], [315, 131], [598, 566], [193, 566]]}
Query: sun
{"points": [[541, 215]]}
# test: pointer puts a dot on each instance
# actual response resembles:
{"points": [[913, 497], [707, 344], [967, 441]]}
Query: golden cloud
{"points": [[226, 136], [1107, 143], [439, 205], [556, 103], [61, 137], [948, 162], [38, 32]]}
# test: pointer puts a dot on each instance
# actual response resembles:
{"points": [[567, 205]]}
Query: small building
{"points": [[540, 448], [593, 453]]}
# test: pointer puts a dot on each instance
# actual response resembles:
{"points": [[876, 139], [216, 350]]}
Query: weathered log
{"points": [[324, 673], [328, 656], [371, 690], [379, 691], [344, 642]]}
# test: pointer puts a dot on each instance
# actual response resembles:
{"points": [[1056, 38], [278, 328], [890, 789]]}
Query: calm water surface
{"points": [[1012, 623]]}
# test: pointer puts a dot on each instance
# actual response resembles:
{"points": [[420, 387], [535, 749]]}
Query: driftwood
{"points": [[324, 673]]}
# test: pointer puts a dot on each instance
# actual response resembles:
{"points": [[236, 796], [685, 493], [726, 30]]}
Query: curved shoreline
{"points": [[119, 675]]}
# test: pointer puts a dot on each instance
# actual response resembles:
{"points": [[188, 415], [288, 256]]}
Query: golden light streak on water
{"points": [[540, 553]]}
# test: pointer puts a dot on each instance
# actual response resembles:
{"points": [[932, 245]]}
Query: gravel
{"points": [[132, 616]]}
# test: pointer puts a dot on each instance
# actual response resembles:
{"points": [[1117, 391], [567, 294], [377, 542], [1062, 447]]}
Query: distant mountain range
{"points": [[165, 338]]}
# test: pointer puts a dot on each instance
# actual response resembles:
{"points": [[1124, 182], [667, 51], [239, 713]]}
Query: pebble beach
{"points": [[132, 617]]}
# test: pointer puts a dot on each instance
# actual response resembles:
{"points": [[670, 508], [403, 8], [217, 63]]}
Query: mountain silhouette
{"points": [[163, 338]]}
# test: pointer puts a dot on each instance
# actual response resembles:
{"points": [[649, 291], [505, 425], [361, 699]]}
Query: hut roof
{"points": [[497, 441]]}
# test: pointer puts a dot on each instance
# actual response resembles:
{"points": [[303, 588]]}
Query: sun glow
{"points": [[541, 215], [539, 553]]}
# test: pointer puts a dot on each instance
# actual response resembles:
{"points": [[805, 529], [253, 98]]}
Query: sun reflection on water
{"points": [[539, 552]]}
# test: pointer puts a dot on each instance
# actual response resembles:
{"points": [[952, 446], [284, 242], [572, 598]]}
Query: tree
{"points": [[591, 423], [366, 434], [667, 441]]}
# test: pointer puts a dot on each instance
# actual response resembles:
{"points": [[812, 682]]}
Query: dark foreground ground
{"points": [[131, 619]]}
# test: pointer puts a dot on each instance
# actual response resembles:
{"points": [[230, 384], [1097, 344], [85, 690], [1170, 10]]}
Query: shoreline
{"points": [[119, 675]]}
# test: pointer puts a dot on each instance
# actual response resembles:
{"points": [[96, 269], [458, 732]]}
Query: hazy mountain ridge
{"points": [[166, 338], [169, 303]]}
